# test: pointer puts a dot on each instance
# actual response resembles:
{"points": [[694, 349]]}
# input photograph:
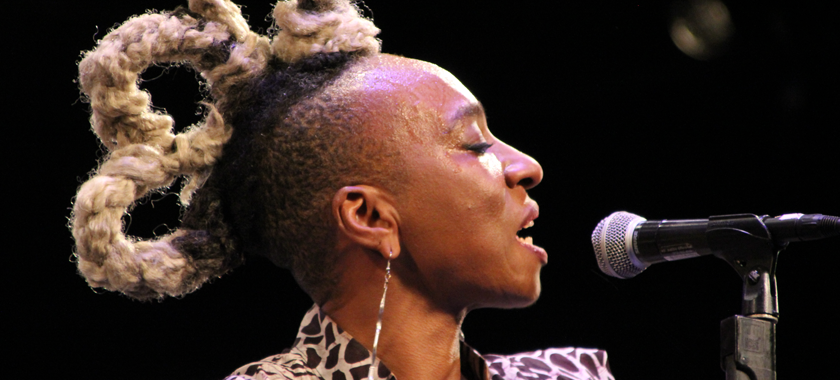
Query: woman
{"points": [[372, 177]]}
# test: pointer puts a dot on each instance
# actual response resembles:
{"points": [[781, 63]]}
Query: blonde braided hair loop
{"points": [[145, 154]]}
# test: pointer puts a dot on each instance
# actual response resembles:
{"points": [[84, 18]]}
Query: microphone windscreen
{"points": [[612, 241]]}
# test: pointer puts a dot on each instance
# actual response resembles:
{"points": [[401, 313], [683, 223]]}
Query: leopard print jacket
{"points": [[322, 350]]}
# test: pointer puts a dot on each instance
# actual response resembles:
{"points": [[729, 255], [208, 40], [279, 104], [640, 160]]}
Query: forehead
{"points": [[392, 73], [390, 87]]}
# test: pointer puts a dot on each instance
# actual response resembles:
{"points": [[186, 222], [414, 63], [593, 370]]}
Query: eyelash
{"points": [[479, 148]]}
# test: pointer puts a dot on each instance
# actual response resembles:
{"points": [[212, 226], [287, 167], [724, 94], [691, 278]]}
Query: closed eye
{"points": [[479, 148]]}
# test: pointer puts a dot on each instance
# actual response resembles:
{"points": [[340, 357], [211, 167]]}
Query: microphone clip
{"points": [[748, 342], [743, 241]]}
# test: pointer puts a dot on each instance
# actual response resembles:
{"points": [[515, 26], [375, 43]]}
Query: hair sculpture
{"points": [[145, 155]]}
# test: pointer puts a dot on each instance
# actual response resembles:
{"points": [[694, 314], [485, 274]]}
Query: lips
{"points": [[527, 241]]}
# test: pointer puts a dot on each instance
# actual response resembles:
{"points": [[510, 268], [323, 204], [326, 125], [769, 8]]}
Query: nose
{"points": [[521, 169]]}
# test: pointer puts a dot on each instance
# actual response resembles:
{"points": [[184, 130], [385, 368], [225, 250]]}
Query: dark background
{"points": [[619, 118]]}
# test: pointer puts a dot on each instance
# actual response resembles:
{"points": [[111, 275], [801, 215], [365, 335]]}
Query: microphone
{"points": [[626, 244]]}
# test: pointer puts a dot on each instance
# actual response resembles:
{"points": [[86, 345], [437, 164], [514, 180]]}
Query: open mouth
{"points": [[525, 239]]}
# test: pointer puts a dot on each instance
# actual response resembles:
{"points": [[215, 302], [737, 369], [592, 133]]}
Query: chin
{"points": [[515, 300], [525, 301]]}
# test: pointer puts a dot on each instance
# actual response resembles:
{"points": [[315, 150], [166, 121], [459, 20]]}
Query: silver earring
{"points": [[379, 319]]}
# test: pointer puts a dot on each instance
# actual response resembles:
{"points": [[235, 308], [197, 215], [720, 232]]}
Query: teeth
{"points": [[530, 224], [527, 240]]}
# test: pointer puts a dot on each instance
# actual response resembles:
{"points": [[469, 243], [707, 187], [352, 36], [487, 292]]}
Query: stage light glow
{"points": [[701, 29]]}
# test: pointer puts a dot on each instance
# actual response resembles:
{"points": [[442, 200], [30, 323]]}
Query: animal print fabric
{"points": [[322, 350], [568, 363]]}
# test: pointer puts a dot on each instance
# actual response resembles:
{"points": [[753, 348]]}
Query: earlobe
{"points": [[366, 216]]}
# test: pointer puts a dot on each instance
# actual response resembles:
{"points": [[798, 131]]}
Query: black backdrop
{"points": [[618, 117]]}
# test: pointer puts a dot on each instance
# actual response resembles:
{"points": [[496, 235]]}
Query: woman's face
{"points": [[464, 198]]}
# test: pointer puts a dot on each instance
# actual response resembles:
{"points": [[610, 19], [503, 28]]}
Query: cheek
{"points": [[458, 198], [487, 184]]}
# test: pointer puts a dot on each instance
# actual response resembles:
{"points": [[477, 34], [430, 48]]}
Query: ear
{"points": [[366, 216]]}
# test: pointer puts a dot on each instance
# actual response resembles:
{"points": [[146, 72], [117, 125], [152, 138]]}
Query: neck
{"points": [[417, 340]]}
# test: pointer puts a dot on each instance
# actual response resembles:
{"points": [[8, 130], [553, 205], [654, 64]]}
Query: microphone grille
{"points": [[610, 242]]}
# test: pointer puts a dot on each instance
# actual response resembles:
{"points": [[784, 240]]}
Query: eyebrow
{"points": [[464, 111], [467, 110]]}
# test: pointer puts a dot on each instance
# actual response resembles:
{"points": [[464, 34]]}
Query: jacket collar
{"points": [[326, 348]]}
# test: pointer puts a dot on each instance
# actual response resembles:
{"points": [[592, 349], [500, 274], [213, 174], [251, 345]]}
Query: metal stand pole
{"points": [[748, 348]]}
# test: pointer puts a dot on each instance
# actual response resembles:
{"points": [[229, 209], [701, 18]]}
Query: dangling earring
{"points": [[379, 319]]}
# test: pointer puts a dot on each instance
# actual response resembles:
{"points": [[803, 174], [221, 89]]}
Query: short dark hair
{"points": [[293, 146]]}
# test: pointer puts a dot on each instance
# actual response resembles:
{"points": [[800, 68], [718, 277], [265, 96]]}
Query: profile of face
{"points": [[464, 198]]}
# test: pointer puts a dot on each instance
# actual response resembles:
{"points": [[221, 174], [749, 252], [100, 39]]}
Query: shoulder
{"points": [[561, 363], [283, 366]]}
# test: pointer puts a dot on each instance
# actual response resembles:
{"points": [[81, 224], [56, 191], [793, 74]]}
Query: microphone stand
{"points": [[748, 341]]}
